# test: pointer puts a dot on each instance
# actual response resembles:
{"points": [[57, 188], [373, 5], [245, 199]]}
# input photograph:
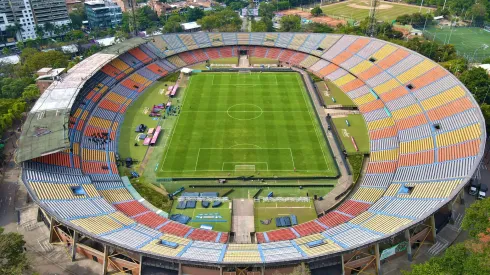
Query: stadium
{"points": [[426, 138]]}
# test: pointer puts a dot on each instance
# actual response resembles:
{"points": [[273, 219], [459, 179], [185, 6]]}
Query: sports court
{"points": [[242, 124]]}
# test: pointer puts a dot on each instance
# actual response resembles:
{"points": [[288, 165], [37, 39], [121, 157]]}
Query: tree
{"points": [[266, 10], [264, 25], [318, 28], [31, 93], [13, 259], [456, 66], [48, 28], [316, 11], [225, 20], [477, 216], [479, 13], [290, 23], [13, 87], [39, 31], [77, 16], [146, 18], [194, 14], [173, 24], [478, 82]]}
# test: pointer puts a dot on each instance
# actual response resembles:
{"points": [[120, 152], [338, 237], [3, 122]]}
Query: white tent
{"points": [[186, 70]]}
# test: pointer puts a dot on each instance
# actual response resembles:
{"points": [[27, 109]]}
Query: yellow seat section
{"points": [[95, 155], [157, 248], [242, 256], [384, 155], [90, 190], [459, 135], [98, 225], [54, 191], [392, 190], [379, 124], [406, 112], [216, 39], [138, 78], [242, 253], [385, 224], [176, 61], [431, 189], [120, 217], [344, 80], [85, 114], [364, 99], [77, 113], [116, 97], [160, 43], [326, 43], [298, 40], [416, 71], [309, 61], [243, 38], [386, 86], [326, 247], [188, 41], [270, 39], [118, 63], [361, 218], [368, 194], [417, 145], [99, 122], [443, 98], [361, 67], [384, 52], [115, 195]]}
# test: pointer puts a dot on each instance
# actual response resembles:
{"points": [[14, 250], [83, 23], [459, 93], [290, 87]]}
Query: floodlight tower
{"points": [[371, 29]]}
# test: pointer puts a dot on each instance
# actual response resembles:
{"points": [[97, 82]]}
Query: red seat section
{"points": [[109, 105], [131, 208], [297, 58], [60, 158], [226, 52], [203, 235], [308, 228], [332, 219], [150, 219], [140, 55], [286, 55], [353, 208], [224, 237], [200, 55], [175, 228], [260, 237], [260, 52], [188, 57], [283, 234], [273, 53], [157, 69], [213, 53]]}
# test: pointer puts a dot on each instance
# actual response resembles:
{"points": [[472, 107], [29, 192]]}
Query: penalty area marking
{"points": [[233, 148]]}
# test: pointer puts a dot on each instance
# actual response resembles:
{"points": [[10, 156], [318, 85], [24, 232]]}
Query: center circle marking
{"points": [[244, 111]]}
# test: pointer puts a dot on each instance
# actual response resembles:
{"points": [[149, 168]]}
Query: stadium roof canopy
{"points": [[46, 128]]}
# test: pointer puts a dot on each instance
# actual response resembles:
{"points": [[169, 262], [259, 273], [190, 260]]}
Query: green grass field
{"points": [[222, 224], [304, 211], [240, 124], [472, 43], [357, 129], [359, 10], [334, 92]]}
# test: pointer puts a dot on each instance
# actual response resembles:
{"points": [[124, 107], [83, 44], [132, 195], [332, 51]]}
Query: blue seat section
{"points": [[280, 251], [148, 74], [203, 251], [202, 39], [99, 177], [72, 209], [31, 165], [105, 185], [35, 175], [105, 114]]}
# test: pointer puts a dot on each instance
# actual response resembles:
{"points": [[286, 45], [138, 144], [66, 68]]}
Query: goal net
{"points": [[246, 167]]}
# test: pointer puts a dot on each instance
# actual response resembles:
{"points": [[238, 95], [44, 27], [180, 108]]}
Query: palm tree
{"points": [[39, 31], [48, 28]]}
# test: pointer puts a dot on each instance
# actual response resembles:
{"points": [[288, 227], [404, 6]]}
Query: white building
{"points": [[20, 12]]}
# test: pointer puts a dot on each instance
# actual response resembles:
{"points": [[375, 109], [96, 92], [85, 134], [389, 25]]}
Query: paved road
{"points": [[7, 203]]}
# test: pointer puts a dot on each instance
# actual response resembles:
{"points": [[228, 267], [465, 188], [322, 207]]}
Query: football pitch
{"points": [[471, 42], [246, 124]]}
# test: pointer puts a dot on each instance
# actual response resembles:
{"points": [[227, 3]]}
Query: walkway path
{"points": [[345, 180]]}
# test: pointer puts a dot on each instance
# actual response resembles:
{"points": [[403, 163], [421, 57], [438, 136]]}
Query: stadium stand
{"points": [[426, 136]]}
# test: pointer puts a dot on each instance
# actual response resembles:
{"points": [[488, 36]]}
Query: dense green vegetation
{"points": [[13, 259], [468, 257], [355, 162]]}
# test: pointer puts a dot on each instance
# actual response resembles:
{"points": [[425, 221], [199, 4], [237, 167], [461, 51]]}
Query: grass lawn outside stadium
{"points": [[357, 130], [219, 218], [471, 42], [244, 124]]}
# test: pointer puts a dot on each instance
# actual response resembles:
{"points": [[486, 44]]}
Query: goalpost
{"points": [[245, 167]]}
